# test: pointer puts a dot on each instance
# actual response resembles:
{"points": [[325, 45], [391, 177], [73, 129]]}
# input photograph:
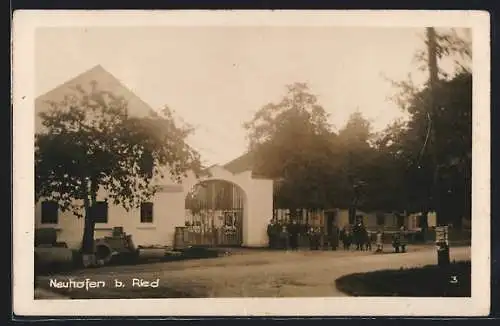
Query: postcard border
{"points": [[24, 26]]}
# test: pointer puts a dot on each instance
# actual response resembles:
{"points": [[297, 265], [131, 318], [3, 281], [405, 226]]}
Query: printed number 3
{"points": [[454, 279]]}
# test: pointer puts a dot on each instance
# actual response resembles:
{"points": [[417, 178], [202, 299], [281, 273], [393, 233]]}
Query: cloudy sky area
{"points": [[215, 78]]}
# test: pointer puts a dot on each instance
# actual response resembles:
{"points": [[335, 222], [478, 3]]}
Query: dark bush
{"points": [[427, 281], [45, 236], [199, 252]]}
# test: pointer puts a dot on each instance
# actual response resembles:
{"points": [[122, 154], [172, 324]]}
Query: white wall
{"points": [[169, 212], [342, 218], [414, 220], [431, 219], [260, 213]]}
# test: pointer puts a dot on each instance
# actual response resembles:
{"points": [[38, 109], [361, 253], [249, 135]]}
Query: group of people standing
{"points": [[286, 235], [283, 235], [359, 236], [356, 235]]}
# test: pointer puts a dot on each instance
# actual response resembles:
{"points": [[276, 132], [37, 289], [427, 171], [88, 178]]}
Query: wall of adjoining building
{"points": [[372, 220]]}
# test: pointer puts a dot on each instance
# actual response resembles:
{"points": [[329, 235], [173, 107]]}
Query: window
{"points": [[147, 213], [100, 212], [50, 212], [380, 219]]}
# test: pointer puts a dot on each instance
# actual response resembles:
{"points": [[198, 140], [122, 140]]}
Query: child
{"points": [[380, 245], [368, 240], [346, 239]]}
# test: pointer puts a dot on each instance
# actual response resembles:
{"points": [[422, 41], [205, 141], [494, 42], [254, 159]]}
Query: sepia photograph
{"points": [[227, 156]]}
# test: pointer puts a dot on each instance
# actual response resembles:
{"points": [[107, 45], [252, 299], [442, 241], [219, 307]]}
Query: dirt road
{"points": [[247, 273]]}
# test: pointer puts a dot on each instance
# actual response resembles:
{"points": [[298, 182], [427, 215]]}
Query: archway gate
{"points": [[214, 214]]}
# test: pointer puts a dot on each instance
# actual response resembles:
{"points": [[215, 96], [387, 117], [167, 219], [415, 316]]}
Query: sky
{"points": [[216, 78]]}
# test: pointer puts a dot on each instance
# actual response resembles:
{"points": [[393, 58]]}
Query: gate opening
{"points": [[214, 214]]}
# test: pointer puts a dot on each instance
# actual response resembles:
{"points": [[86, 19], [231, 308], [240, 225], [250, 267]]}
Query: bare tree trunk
{"points": [[88, 255], [352, 214], [424, 224], [433, 81]]}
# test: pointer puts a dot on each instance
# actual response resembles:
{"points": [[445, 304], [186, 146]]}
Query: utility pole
{"points": [[443, 250], [433, 80], [432, 53]]}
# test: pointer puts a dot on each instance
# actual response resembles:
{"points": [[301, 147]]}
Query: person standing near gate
{"points": [[271, 236], [403, 238], [310, 234], [294, 235], [283, 237], [367, 239], [347, 237], [358, 233], [334, 237]]}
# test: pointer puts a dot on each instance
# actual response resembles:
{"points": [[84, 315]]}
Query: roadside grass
{"points": [[427, 281]]}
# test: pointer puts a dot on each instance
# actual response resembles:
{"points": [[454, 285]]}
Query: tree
{"points": [[450, 44], [291, 141], [438, 138], [89, 143], [314, 167], [356, 154], [299, 105]]}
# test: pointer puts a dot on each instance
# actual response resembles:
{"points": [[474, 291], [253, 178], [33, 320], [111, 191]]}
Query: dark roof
{"points": [[240, 164], [245, 162]]}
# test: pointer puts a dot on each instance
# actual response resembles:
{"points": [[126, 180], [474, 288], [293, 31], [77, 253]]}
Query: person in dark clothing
{"points": [[314, 238], [358, 233], [284, 238], [403, 238], [310, 235], [294, 235], [334, 238], [355, 235], [271, 234], [346, 238]]}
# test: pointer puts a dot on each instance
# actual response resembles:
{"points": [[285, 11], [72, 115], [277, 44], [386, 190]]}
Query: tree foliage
{"points": [[289, 139], [451, 123], [89, 143], [453, 145], [314, 166]]}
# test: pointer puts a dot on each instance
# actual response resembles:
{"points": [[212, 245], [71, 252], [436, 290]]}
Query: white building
{"points": [[154, 222]]}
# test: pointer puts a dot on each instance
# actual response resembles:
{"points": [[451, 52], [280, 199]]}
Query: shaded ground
{"points": [[247, 273], [451, 281]]}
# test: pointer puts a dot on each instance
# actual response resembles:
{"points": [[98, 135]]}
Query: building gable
{"points": [[104, 81]]}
